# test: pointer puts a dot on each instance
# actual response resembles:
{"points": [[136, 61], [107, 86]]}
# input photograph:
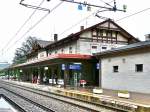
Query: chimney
{"points": [[81, 28], [55, 37], [147, 37]]}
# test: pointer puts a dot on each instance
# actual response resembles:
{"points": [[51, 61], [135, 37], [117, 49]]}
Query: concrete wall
{"points": [[65, 49], [127, 78], [85, 47], [42, 54]]}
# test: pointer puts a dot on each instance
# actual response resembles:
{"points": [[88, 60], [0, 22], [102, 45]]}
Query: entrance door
{"points": [[76, 78]]}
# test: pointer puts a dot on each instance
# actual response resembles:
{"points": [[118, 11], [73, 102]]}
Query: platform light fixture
{"points": [[77, 63], [45, 68]]}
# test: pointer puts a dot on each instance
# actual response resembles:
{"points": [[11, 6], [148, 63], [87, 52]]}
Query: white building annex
{"points": [[126, 68]]}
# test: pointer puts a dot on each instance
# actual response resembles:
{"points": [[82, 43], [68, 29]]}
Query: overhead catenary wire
{"points": [[107, 3], [76, 24], [133, 14], [92, 13], [97, 11], [22, 26], [115, 20], [36, 24]]}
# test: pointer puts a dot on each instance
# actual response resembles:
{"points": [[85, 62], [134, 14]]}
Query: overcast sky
{"points": [[59, 20]]}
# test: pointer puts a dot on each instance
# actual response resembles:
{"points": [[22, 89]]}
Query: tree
{"points": [[26, 48]]}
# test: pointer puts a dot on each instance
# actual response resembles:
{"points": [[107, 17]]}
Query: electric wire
{"points": [[85, 18], [36, 24], [107, 3], [18, 31], [76, 24], [133, 14], [94, 13]]}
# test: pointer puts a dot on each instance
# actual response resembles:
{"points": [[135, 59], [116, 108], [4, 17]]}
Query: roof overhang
{"points": [[136, 48], [55, 59]]}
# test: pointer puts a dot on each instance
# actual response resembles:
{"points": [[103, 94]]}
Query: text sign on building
{"points": [[97, 66], [75, 67], [63, 66]]}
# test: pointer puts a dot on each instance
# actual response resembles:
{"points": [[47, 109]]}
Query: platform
{"points": [[138, 102]]}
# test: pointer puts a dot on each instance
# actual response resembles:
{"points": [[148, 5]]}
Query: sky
{"points": [[63, 21]]}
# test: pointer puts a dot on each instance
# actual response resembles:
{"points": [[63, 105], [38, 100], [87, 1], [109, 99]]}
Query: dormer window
{"points": [[104, 33], [113, 34]]}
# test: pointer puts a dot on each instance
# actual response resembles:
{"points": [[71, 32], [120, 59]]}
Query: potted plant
{"points": [[97, 90], [123, 94]]}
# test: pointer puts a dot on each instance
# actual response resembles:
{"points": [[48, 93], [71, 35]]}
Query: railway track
{"points": [[21, 103], [42, 96]]}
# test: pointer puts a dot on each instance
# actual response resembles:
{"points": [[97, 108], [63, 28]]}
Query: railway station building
{"points": [[70, 61]]}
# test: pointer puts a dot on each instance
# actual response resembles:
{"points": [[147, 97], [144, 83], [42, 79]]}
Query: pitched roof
{"points": [[43, 43], [135, 46], [75, 36], [40, 44]]}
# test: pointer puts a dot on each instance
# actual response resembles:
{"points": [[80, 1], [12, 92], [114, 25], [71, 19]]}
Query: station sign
{"points": [[97, 66], [71, 67], [75, 66]]}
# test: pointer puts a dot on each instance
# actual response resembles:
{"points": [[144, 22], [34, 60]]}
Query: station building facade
{"points": [[71, 59]]}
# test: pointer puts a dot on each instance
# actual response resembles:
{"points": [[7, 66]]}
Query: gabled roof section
{"points": [[111, 25], [135, 46], [75, 36], [39, 44], [43, 43]]}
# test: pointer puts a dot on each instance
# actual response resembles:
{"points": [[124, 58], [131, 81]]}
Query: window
{"points": [[104, 33], [70, 50], [94, 47], [139, 67], [109, 33], [104, 48], [115, 68], [49, 53], [113, 34], [55, 52], [94, 33]]}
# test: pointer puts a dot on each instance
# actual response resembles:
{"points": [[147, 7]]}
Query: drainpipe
{"points": [[100, 74], [65, 75]]}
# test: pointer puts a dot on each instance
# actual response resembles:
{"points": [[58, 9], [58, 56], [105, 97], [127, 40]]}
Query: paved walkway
{"points": [[135, 99], [139, 98]]}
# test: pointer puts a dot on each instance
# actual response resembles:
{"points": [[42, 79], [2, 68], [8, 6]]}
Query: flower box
{"points": [[123, 94], [97, 90]]}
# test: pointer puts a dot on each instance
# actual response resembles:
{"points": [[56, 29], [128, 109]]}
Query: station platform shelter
{"points": [[61, 69]]}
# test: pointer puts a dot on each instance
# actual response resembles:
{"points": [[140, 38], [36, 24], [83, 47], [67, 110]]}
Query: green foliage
{"points": [[20, 53]]}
